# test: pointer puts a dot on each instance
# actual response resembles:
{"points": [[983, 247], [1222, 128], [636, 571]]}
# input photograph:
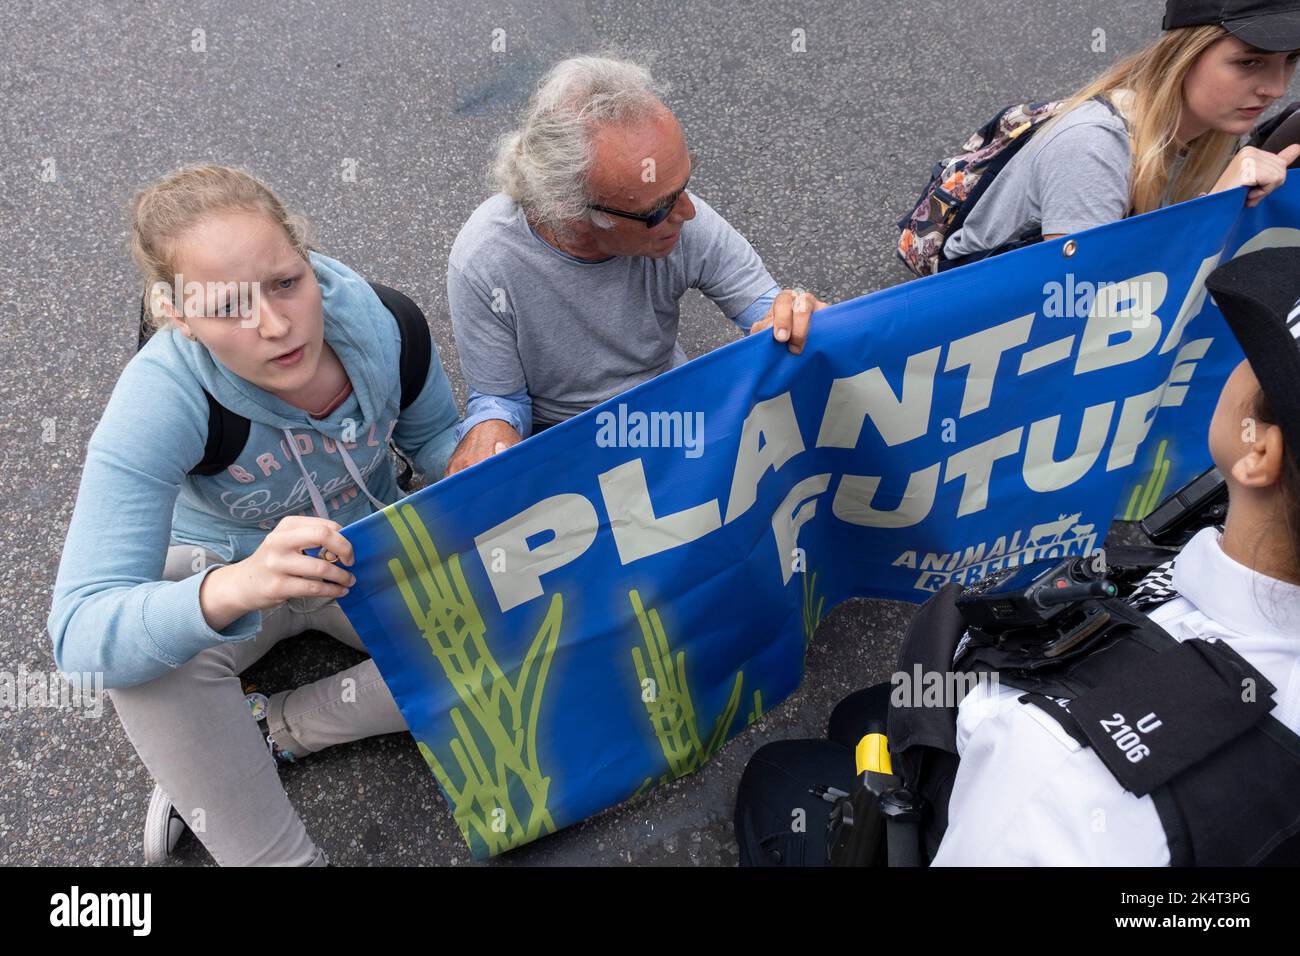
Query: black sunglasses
{"points": [[651, 219]]}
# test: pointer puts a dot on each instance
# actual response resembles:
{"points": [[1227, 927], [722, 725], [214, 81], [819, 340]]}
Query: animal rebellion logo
{"points": [[1050, 539]]}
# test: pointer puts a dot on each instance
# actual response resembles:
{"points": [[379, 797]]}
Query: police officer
{"points": [[1175, 742], [1028, 792]]}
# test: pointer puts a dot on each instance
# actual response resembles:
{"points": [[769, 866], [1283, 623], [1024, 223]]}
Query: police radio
{"points": [[1202, 502], [1047, 603], [1054, 598]]}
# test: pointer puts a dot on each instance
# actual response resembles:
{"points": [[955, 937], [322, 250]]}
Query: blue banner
{"points": [[599, 609]]}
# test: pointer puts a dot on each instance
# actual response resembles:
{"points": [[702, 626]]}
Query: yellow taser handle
{"points": [[873, 755]]}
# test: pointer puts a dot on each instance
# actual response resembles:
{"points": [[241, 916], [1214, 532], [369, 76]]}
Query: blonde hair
{"points": [[163, 211], [1154, 79]]}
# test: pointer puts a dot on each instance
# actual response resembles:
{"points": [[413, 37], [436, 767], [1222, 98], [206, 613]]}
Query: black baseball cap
{"points": [[1258, 295], [1272, 25]]}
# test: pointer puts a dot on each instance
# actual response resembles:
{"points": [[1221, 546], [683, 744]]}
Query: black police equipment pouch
{"points": [[923, 739]]}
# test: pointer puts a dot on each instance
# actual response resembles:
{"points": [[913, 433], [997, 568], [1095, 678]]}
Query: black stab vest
{"points": [[1186, 722]]}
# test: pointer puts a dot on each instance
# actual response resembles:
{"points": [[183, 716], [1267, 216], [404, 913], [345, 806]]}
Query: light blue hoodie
{"points": [[111, 613]]}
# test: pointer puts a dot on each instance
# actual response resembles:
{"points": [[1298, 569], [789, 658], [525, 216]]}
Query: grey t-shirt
{"points": [[575, 333], [1071, 177]]}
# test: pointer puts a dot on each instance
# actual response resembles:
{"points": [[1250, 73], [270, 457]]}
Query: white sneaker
{"points": [[163, 827]]}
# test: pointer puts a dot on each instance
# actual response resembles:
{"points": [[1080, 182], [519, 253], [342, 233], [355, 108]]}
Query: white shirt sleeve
{"points": [[1027, 794]]}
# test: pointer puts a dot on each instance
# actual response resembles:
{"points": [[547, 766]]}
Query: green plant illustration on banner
{"points": [[812, 614], [757, 712], [495, 750], [1146, 496], [669, 703]]}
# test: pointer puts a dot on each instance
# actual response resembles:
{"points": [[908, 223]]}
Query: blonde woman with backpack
{"points": [[176, 574], [1160, 127]]}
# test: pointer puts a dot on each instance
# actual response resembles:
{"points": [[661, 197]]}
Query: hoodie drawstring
{"points": [[356, 476], [317, 501]]}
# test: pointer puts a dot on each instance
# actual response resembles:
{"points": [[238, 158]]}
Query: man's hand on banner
{"points": [[482, 441], [1261, 170], [789, 316]]}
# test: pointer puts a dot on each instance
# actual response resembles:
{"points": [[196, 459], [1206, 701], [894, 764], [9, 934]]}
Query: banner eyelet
{"points": [[1070, 248]]}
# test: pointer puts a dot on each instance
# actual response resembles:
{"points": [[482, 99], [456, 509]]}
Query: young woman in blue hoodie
{"points": [[172, 583]]}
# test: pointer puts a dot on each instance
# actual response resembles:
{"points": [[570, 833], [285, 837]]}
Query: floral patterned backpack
{"points": [[958, 182]]}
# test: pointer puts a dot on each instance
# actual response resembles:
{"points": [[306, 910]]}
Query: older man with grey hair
{"points": [[564, 286]]}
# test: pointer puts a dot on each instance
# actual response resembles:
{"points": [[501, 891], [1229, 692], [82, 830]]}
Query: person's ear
{"points": [[169, 310], [1261, 466]]}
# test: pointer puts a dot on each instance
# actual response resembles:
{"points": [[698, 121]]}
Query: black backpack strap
{"points": [[1106, 101], [227, 435], [413, 363], [417, 342], [991, 173], [1029, 237]]}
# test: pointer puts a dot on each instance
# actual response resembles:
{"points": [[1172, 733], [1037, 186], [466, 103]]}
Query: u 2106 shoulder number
{"points": [[1127, 738]]}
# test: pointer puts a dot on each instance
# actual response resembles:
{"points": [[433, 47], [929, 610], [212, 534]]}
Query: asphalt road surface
{"points": [[812, 155]]}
